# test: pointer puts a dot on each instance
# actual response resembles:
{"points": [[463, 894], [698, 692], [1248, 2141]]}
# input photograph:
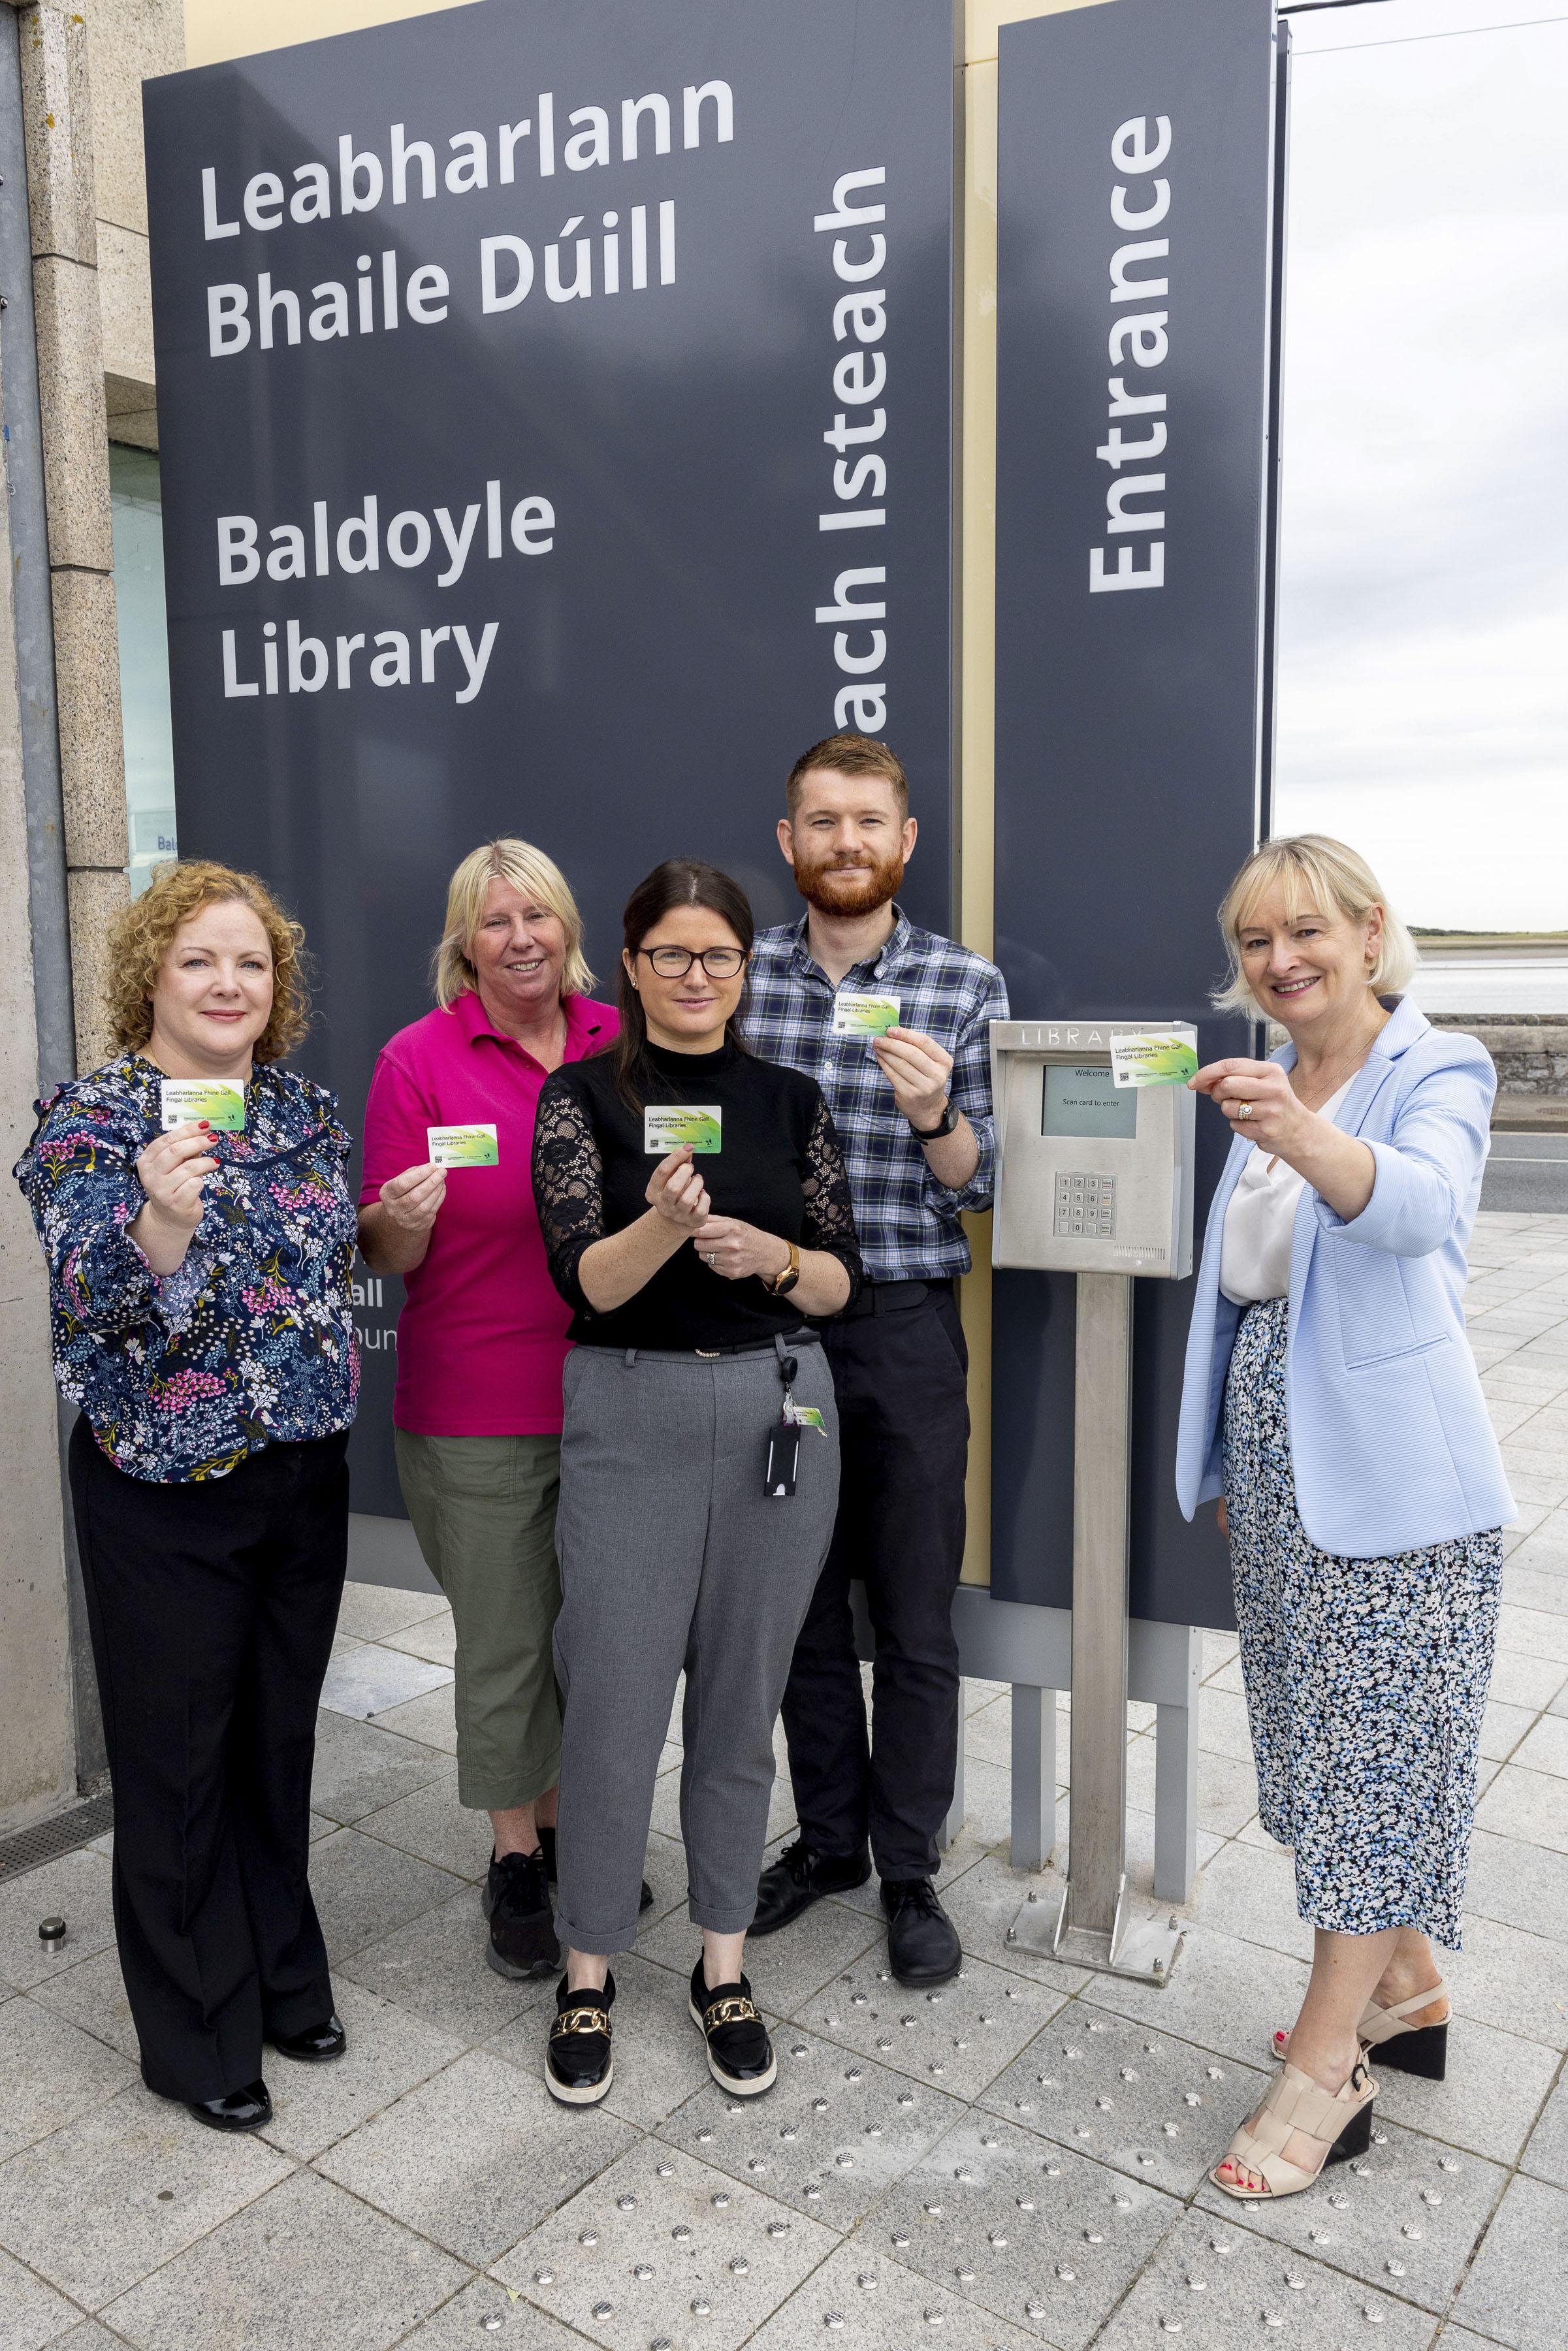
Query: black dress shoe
{"points": [[739, 2053], [921, 1941], [547, 1846], [522, 1941], [800, 1876], [242, 2110], [315, 2044], [578, 2067]]}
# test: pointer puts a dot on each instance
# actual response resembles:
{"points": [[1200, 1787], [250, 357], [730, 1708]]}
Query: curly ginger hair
{"points": [[144, 932]]}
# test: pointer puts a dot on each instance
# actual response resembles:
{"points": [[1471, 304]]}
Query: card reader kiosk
{"points": [[1095, 1139], [1092, 1176]]}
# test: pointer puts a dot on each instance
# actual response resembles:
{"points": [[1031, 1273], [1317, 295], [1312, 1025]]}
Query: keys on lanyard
{"points": [[782, 1467]]}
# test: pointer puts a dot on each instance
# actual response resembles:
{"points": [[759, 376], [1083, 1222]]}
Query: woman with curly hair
{"points": [[199, 1281]]}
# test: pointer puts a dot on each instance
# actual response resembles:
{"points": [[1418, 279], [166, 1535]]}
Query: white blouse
{"points": [[1255, 1250]]}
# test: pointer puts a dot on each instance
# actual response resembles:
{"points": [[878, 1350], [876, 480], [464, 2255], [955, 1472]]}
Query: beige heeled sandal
{"points": [[1403, 2047], [1343, 2122]]}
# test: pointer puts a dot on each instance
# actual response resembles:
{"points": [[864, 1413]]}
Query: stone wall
{"points": [[1531, 1050]]}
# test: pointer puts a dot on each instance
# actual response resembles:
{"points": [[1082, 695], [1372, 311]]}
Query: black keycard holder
{"points": [[783, 1462]]}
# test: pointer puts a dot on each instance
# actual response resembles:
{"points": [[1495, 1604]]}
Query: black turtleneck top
{"points": [[779, 1168]]}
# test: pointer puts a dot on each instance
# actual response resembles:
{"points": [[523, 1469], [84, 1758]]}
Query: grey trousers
{"points": [[672, 1556]]}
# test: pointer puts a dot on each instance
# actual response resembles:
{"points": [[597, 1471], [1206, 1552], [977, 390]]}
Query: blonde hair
{"points": [[1317, 872], [528, 870], [141, 934]]}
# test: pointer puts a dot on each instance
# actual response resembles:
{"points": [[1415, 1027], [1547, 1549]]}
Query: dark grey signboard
{"points": [[555, 419], [1135, 204]]}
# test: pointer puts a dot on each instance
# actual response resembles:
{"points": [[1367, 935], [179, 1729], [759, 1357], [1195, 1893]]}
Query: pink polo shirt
{"points": [[482, 1340]]}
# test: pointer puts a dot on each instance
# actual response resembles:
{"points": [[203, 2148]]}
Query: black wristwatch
{"points": [[946, 1125]]}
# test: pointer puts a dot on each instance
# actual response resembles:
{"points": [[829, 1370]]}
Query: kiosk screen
{"points": [[1086, 1100]]}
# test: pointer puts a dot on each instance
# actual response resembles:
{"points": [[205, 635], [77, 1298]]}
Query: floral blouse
{"points": [[252, 1341]]}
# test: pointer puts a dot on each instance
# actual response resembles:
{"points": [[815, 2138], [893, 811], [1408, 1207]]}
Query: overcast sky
{"points": [[1423, 607]]}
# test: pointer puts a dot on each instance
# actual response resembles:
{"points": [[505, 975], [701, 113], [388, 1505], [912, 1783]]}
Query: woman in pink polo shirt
{"points": [[482, 1340]]}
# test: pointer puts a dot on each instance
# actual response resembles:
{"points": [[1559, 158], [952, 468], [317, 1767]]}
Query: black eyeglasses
{"points": [[674, 963]]}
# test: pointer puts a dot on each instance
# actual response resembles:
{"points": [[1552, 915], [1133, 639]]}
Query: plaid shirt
{"points": [[908, 1223]]}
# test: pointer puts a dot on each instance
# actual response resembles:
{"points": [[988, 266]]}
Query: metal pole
{"points": [[1089, 1926], [1100, 1439]]}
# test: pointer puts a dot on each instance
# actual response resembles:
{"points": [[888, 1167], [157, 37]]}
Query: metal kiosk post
{"points": [[1095, 1179]]}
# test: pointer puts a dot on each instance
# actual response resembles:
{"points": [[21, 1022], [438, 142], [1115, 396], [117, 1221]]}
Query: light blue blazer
{"points": [[1390, 1440]]}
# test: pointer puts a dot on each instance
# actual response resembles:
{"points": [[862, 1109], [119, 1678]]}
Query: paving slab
{"points": [[1518, 1887], [434, 1637], [1546, 2156], [1532, 1807], [88, 2336], [1512, 1979], [369, 1680], [363, 1889], [860, 2302], [355, 2281], [1227, 1785], [1404, 2217], [371, 1611], [1213, 2286], [1518, 2290], [1492, 2095], [660, 2057], [834, 2132], [50, 2071], [488, 2314], [429, 1719], [958, 2038], [1153, 2106], [75, 1888], [122, 2189], [389, 2050], [474, 2157], [664, 1868], [1545, 1748], [1502, 1728], [93, 1995], [785, 1968], [659, 2241], [433, 1825], [1040, 2236], [1251, 1894], [435, 1968], [1223, 1994], [31, 2313], [361, 1769]]}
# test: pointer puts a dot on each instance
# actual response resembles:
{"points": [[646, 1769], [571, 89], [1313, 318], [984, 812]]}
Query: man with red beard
{"points": [[913, 1112]]}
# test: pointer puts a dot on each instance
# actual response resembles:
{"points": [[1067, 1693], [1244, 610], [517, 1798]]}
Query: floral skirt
{"points": [[1365, 1680]]}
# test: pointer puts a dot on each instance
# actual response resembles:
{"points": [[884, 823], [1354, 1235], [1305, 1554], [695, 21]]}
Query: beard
{"points": [[835, 887]]}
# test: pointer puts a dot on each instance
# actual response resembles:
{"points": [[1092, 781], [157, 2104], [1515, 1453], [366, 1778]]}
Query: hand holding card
{"points": [[858, 1014], [209, 1101], [462, 1146]]}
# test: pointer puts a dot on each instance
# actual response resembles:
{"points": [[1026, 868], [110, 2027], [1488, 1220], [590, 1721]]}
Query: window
{"points": [[137, 499]]}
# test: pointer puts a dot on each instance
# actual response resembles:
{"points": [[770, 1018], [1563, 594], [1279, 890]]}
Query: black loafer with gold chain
{"points": [[578, 2067], [739, 2053]]}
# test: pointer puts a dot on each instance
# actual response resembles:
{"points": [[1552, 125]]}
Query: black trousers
{"points": [[212, 1607], [903, 1434]]}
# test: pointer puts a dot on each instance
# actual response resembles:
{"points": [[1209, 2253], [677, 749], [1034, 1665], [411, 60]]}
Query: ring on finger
{"points": [[1244, 1110]]}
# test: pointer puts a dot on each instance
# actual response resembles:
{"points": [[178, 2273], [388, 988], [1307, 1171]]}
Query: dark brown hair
{"points": [[849, 754], [679, 882]]}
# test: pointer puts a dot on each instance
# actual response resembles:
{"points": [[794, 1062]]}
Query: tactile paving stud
{"points": [[1251, 2292], [957, 2041], [1389, 2205], [1015, 2224], [1143, 2101], [832, 2134], [894, 2310], [667, 2250]]}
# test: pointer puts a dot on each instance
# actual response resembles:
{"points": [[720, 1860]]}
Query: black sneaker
{"points": [[578, 2067], [739, 2053], [522, 1928], [547, 1846], [921, 1941], [800, 1876]]}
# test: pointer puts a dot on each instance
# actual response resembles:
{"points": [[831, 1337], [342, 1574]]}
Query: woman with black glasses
{"points": [[699, 1458]]}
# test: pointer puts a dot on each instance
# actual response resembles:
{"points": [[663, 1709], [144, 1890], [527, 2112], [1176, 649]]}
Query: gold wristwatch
{"points": [[782, 1282]]}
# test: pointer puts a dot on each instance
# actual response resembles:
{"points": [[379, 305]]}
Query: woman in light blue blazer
{"points": [[1333, 1408]]}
